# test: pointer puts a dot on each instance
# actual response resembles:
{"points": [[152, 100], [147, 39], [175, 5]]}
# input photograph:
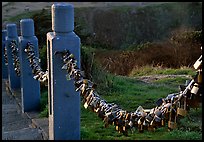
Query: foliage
{"points": [[43, 57], [43, 24], [108, 27], [44, 103]]}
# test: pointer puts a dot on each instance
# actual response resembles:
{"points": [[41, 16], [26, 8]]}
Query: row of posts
{"points": [[63, 100]]}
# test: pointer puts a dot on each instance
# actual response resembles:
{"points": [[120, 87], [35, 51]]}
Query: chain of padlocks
{"points": [[5, 55], [37, 71], [16, 62], [167, 110]]}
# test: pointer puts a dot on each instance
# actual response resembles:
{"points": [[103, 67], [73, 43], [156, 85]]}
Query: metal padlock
{"points": [[172, 124], [198, 63], [195, 89], [200, 76], [151, 128], [162, 122], [181, 109]]}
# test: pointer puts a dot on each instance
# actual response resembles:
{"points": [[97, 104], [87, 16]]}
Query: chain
{"points": [[38, 73], [112, 114], [14, 51], [5, 56]]}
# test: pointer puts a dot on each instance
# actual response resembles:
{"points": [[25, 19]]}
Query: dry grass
{"points": [[182, 49]]}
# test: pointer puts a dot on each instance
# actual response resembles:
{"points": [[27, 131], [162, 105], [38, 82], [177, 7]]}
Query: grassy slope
{"points": [[129, 94]]}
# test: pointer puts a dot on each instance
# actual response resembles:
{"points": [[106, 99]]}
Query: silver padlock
{"points": [[198, 63], [195, 89]]}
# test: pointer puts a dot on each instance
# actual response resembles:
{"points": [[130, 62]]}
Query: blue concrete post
{"points": [[14, 80], [30, 88], [4, 66], [64, 101]]}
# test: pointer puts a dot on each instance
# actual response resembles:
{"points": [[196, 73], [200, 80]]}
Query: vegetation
{"points": [[116, 57]]}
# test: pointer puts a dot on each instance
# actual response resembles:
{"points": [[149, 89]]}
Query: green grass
{"points": [[44, 103], [129, 93]]}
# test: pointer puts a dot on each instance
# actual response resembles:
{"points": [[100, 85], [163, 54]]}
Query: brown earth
{"points": [[151, 78]]}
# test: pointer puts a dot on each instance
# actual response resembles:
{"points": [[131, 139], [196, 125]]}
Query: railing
{"points": [[64, 76]]}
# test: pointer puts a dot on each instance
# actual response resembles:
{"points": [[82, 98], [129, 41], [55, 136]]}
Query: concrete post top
{"points": [[62, 5], [4, 34], [62, 17], [11, 30], [27, 27]]}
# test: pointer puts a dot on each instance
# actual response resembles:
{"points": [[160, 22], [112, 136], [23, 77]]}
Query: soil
{"points": [[151, 78]]}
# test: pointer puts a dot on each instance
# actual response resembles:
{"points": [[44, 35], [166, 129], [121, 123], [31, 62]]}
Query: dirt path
{"points": [[151, 78]]}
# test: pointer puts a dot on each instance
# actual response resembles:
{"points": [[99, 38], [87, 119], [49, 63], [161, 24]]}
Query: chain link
{"points": [[38, 73], [15, 57], [112, 114], [5, 56]]}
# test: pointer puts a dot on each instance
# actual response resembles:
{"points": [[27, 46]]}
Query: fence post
{"points": [[4, 66], [63, 100], [14, 80], [30, 88]]}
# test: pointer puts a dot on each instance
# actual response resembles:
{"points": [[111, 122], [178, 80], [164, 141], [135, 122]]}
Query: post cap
{"points": [[62, 17], [4, 34], [11, 30], [27, 27]]}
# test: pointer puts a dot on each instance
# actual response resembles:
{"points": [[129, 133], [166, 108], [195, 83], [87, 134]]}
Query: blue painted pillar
{"points": [[30, 88], [64, 101], [4, 70], [14, 80]]}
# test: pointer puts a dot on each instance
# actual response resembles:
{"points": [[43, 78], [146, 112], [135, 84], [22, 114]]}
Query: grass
{"points": [[129, 93]]}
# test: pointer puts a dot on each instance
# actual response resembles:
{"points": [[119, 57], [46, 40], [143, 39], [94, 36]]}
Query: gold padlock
{"points": [[162, 122], [172, 115], [151, 128], [116, 127], [181, 110], [124, 128], [172, 125], [195, 89], [200, 76]]}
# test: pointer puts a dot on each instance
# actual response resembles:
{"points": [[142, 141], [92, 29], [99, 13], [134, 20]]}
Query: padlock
{"points": [[195, 89], [172, 123], [198, 63], [149, 118], [162, 122], [200, 76], [181, 109], [151, 128]]}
